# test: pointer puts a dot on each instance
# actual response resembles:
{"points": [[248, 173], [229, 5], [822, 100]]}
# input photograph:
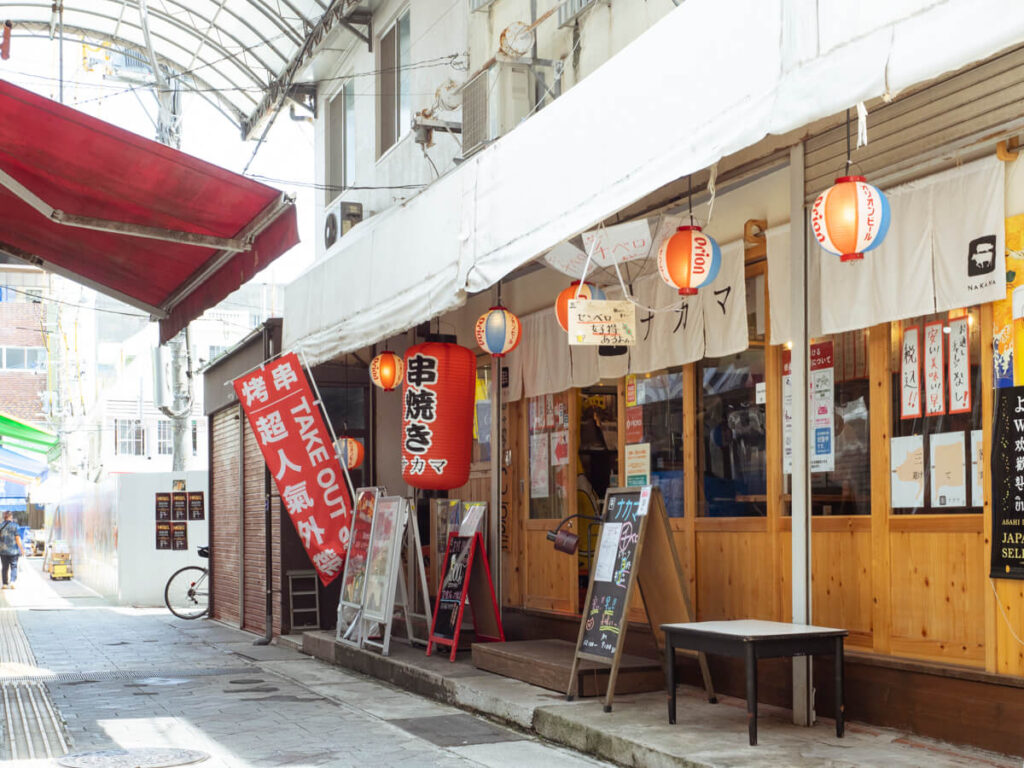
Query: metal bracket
{"points": [[1007, 150]]}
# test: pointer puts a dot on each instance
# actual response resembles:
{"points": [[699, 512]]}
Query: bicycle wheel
{"points": [[187, 593]]}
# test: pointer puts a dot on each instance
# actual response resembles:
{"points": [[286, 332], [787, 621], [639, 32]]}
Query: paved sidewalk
{"points": [[123, 677]]}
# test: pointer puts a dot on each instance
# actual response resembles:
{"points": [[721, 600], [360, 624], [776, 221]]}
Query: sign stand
{"points": [[353, 578], [466, 574], [415, 572], [635, 545], [382, 571]]}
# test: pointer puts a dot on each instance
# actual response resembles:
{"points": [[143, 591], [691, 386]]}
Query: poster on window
{"points": [[948, 470], [959, 366], [302, 458], [906, 462], [977, 469], [910, 374], [1007, 335], [934, 370], [1008, 484], [560, 448], [638, 464], [539, 466], [823, 425], [787, 412]]}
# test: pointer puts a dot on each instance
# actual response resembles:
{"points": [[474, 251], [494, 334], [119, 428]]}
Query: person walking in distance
{"points": [[10, 549]]}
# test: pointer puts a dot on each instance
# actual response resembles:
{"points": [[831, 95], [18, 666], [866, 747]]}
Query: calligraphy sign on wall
{"points": [[300, 454]]}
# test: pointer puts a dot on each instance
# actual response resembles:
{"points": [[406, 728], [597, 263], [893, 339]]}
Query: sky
{"points": [[286, 153]]}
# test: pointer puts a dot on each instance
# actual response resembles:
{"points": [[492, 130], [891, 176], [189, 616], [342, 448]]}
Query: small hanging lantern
{"points": [[351, 451], [498, 331], [689, 259], [850, 217], [588, 291], [386, 370]]}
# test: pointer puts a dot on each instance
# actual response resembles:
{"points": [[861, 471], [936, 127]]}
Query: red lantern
{"points": [[437, 415], [588, 292], [351, 451], [386, 370]]}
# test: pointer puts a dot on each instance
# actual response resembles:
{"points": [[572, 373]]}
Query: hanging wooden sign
{"points": [[601, 323], [466, 574], [635, 545]]}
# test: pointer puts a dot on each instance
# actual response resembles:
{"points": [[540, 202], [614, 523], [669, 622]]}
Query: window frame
{"points": [[164, 441], [390, 102], [138, 440], [340, 131]]}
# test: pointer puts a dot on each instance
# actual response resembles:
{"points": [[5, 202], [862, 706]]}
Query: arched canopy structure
{"points": [[242, 55]]}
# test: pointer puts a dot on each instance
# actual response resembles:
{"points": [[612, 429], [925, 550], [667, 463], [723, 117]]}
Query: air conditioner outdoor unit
{"points": [[494, 102], [340, 218]]}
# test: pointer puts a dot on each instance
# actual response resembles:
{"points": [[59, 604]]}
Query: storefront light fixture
{"points": [[689, 259], [850, 218], [498, 331], [387, 370], [587, 291]]}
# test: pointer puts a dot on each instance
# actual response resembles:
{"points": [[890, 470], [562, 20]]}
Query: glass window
{"points": [[839, 437], [551, 467], [346, 408], [130, 437], [164, 437], [656, 419], [195, 437], [341, 141], [731, 445], [936, 463], [395, 95], [14, 359]]}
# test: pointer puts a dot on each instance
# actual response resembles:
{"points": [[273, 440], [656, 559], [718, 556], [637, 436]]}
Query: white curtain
{"points": [[725, 306], [667, 338], [780, 326]]}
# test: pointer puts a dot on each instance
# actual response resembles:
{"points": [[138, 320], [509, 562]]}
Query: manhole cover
{"points": [[145, 757]]}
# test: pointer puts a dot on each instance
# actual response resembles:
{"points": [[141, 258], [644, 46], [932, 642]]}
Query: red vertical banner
{"points": [[301, 456], [934, 369]]}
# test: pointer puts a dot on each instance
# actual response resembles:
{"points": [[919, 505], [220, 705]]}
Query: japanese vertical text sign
{"points": [[299, 452], [437, 415], [1008, 485]]}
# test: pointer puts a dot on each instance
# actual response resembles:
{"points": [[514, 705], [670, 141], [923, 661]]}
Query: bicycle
{"points": [[187, 593]]}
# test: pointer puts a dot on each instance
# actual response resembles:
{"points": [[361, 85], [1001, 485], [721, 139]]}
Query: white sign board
{"points": [[602, 323]]}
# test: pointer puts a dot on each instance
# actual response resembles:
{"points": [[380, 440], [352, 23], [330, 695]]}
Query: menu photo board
{"points": [[1008, 485], [353, 579], [179, 506]]}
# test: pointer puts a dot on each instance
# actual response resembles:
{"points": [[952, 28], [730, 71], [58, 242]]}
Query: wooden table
{"points": [[751, 640]]}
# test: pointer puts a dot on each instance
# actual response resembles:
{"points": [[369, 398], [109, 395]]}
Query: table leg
{"points": [[752, 694], [840, 705], [670, 678]]}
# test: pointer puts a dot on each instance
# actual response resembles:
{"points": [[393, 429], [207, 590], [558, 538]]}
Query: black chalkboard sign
{"points": [[612, 574], [453, 586], [466, 575], [1008, 485]]}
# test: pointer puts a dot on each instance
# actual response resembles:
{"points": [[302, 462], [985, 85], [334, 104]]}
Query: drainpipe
{"points": [[268, 523]]}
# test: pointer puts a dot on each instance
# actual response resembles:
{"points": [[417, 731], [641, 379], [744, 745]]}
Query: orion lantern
{"points": [[386, 370], [498, 331], [850, 218], [588, 291], [689, 259], [437, 415], [351, 451]]}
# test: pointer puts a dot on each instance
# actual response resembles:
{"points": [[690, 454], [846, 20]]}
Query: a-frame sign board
{"points": [[635, 545], [353, 578], [466, 573]]}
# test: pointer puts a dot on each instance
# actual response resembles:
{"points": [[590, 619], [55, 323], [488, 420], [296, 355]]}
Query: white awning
{"points": [[692, 89]]}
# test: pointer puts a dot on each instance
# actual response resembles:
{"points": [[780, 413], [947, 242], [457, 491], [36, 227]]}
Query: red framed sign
{"points": [[934, 369], [959, 366], [910, 373], [466, 573]]}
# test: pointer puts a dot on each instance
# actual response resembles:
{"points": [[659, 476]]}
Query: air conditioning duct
{"points": [[494, 102]]}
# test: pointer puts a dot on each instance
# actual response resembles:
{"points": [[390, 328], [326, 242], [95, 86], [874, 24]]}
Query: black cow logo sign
{"points": [[981, 256]]}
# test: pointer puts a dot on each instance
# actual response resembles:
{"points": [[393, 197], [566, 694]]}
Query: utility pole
{"points": [[168, 131]]}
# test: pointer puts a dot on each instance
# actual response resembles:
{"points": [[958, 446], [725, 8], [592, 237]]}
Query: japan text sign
{"points": [[301, 456], [602, 323]]}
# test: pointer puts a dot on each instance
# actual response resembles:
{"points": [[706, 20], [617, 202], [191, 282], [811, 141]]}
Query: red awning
{"points": [[128, 216]]}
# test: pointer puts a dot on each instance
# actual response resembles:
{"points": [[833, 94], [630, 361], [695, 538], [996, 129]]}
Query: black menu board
{"points": [[1008, 485], [163, 506], [449, 599], [612, 575]]}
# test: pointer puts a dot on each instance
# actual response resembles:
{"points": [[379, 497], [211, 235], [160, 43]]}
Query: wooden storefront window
{"points": [[936, 464], [552, 468], [657, 419], [482, 412]]}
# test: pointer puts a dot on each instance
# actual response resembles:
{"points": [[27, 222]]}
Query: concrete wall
{"points": [[142, 570]]}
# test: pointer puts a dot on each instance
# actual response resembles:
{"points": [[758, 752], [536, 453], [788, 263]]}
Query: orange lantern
{"points": [[850, 217], [588, 291], [437, 415], [351, 451], [386, 370], [689, 259]]}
